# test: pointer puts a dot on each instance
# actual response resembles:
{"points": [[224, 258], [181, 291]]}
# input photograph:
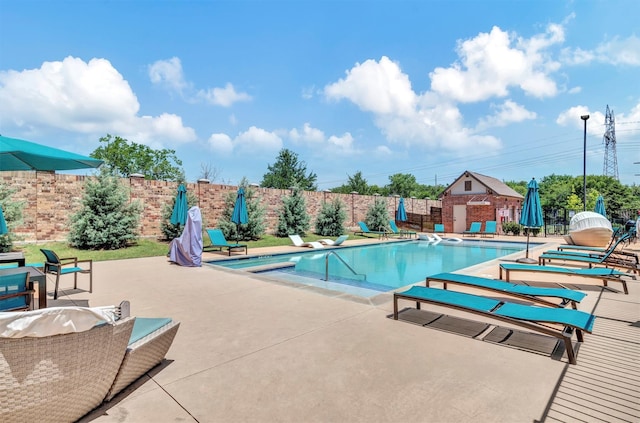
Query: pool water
{"points": [[373, 269]]}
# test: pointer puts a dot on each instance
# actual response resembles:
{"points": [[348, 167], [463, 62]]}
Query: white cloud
{"points": [[506, 113], [308, 134], [616, 52], [382, 150], [378, 87], [572, 117], [89, 98], [257, 139], [221, 143], [224, 97], [620, 51], [575, 90], [344, 142], [308, 92], [169, 74], [492, 63], [426, 120]]}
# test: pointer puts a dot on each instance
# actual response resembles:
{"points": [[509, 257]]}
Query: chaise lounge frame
{"points": [[591, 273], [421, 294], [523, 292]]}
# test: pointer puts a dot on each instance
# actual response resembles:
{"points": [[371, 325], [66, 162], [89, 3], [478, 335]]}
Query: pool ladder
{"points": [[326, 266]]}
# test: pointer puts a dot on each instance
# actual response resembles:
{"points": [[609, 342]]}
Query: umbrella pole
{"points": [[526, 259]]}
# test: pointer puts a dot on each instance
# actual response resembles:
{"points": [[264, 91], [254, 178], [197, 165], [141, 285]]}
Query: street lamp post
{"points": [[584, 165]]}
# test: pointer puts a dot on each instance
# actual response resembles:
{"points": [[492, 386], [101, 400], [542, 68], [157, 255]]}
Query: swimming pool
{"points": [[371, 269]]}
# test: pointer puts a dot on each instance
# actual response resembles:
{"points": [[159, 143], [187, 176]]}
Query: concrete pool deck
{"points": [[253, 350]]}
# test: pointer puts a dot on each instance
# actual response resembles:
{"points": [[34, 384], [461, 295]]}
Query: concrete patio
{"points": [[250, 349]]}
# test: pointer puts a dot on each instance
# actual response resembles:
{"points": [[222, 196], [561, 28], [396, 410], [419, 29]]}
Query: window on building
{"points": [[467, 185]]}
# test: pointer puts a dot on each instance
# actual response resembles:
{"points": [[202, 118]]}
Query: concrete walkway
{"points": [[250, 350]]}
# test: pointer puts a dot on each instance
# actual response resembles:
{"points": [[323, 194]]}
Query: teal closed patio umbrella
{"points": [[531, 216], [3, 223], [600, 206], [401, 213], [180, 207], [240, 216]]}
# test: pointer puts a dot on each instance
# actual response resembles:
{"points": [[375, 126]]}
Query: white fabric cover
{"points": [[588, 220], [590, 229], [186, 250], [53, 321]]}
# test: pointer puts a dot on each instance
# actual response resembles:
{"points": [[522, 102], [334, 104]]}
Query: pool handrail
{"points": [[326, 266]]}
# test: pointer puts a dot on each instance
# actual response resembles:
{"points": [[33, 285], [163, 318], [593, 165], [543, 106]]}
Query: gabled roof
{"points": [[498, 187]]}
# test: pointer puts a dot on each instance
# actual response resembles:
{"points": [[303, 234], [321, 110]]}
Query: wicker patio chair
{"points": [[60, 378]]}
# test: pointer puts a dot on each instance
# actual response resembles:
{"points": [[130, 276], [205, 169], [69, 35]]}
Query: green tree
{"points": [[124, 158], [574, 203], [402, 184], [377, 218], [355, 183], [288, 172], [555, 191], [330, 220], [293, 218], [12, 211], [255, 227], [429, 191], [106, 220]]}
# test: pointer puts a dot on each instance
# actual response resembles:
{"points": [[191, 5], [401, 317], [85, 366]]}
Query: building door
{"points": [[459, 218]]}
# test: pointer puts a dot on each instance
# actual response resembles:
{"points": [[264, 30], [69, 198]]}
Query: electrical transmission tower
{"points": [[610, 157]]}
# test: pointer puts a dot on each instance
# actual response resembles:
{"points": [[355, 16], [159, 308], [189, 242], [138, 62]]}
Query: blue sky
{"points": [[431, 88]]}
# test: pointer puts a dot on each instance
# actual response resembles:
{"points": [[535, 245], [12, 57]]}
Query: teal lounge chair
{"points": [[611, 258], [474, 229], [603, 273], [438, 228], [490, 228], [525, 292], [601, 252], [530, 317], [365, 230], [219, 242], [608, 260], [401, 232]]}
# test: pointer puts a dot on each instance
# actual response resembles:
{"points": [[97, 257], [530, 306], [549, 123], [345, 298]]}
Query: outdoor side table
{"points": [[35, 275], [12, 258]]}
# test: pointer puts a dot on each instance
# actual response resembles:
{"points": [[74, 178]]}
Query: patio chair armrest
{"points": [[68, 259]]}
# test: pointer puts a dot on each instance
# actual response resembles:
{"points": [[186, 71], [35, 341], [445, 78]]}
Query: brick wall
{"points": [[50, 198], [480, 212]]}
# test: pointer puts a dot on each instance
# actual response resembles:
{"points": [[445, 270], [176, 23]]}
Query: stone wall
{"points": [[50, 198]]}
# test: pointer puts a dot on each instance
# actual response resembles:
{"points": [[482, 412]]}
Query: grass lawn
{"points": [[143, 248]]}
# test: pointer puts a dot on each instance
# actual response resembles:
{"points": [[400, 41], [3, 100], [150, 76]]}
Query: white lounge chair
{"points": [[298, 242], [338, 241]]}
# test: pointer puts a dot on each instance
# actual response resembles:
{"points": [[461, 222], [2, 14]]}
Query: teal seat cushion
{"points": [[143, 326], [66, 270]]}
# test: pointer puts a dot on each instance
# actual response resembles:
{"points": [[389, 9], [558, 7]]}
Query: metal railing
{"points": [[326, 266]]}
